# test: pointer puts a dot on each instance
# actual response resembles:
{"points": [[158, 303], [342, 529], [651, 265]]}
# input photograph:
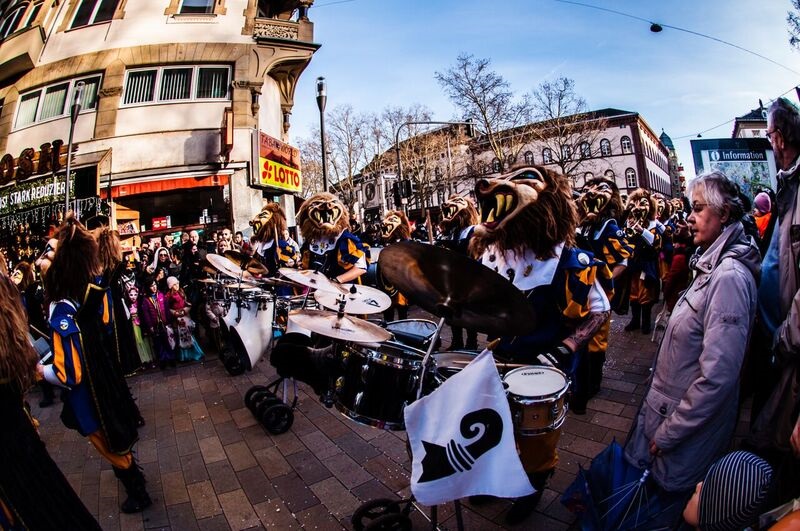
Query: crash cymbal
{"points": [[227, 267], [207, 280], [311, 279], [453, 286], [251, 265], [239, 285], [345, 328], [358, 299]]}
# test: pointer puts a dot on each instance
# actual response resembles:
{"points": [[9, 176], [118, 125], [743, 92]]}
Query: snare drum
{"points": [[536, 395], [377, 383]]}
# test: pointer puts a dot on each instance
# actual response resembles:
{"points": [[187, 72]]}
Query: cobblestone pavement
{"points": [[210, 465]]}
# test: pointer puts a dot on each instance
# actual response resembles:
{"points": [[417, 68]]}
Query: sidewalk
{"points": [[211, 466]]}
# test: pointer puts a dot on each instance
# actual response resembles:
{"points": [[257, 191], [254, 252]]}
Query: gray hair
{"points": [[785, 117], [719, 192]]}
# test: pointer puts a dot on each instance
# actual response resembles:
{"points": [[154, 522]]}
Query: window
{"points": [[51, 102], [627, 147], [547, 156], [609, 174], [630, 178], [496, 165], [12, 21], [94, 12], [528, 157], [605, 148], [197, 6], [566, 152], [586, 150], [186, 83], [482, 167]]}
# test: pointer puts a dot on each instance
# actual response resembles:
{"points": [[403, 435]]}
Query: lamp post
{"points": [[322, 98], [74, 110]]}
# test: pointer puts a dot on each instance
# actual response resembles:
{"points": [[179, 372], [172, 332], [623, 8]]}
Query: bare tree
{"points": [[311, 163], [793, 21], [345, 130], [485, 96], [564, 128]]}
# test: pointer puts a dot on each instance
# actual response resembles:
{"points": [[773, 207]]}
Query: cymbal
{"points": [[345, 328], [227, 267], [239, 285], [358, 299], [251, 265], [310, 279], [207, 280], [453, 286]]}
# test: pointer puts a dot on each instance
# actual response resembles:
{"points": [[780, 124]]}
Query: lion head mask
{"points": [[322, 215], [663, 207], [268, 223], [599, 200], [530, 208], [458, 213], [641, 207], [395, 227]]}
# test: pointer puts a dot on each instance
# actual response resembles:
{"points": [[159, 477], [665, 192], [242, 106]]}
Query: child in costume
{"points": [[142, 344], [155, 321], [175, 302]]}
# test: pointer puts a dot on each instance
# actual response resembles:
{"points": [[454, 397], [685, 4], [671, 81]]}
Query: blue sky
{"points": [[385, 52]]}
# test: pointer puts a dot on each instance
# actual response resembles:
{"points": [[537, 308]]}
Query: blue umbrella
{"points": [[613, 494]]}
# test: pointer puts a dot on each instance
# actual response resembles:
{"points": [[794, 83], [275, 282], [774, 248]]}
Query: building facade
{"points": [[173, 94]]}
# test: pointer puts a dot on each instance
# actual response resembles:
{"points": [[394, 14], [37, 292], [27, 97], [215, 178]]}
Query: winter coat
{"points": [[691, 405], [154, 317]]}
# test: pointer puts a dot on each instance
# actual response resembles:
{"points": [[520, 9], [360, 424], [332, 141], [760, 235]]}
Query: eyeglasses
{"points": [[698, 207], [770, 133]]}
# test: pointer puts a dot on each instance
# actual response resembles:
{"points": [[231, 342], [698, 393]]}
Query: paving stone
{"points": [[256, 485], [240, 456], [373, 489], [308, 467], [613, 422], [318, 518], [182, 517], [228, 432], [391, 474], [295, 493], [187, 443], [288, 443], [168, 459], [356, 447], [212, 450], [349, 472], [174, 488], [217, 523], [194, 468], [223, 477], [243, 418], [204, 500], [238, 511], [335, 497], [275, 515]]}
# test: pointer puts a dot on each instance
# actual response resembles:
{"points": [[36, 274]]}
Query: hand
{"points": [[39, 372], [558, 356], [795, 438], [655, 451]]}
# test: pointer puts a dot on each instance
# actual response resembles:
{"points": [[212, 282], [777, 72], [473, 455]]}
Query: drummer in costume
{"points": [[34, 494], [97, 402], [394, 228], [328, 246], [268, 244], [641, 230], [599, 206], [459, 217], [527, 235]]}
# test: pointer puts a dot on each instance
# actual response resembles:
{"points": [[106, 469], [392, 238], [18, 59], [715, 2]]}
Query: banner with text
{"points": [[746, 161], [278, 164], [33, 193]]}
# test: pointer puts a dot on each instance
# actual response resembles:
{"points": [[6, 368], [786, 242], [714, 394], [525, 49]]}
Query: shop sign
{"points": [[51, 157], [164, 222], [32, 194], [277, 175]]}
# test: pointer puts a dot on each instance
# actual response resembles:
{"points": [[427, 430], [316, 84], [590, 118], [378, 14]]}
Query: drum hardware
{"points": [[537, 397], [228, 268]]}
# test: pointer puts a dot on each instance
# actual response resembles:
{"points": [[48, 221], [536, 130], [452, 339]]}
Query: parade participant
{"points": [[97, 402], [154, 319], [175, 303], [395, 228], [600, 205], [689, 412], [459, 217], [28, 475], [643, 235], [527, 235], [328, 246], [663, 215], [269, 227]]}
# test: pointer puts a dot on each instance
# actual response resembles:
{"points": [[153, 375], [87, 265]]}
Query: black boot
{"points": [[597, 360], [523, 507], [133, 481], [636, 317], [646, 308]]}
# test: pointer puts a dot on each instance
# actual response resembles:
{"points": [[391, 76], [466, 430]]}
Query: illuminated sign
{"points": [[277, 175]]}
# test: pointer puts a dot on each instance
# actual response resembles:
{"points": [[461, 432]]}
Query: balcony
{"points": [[20, 51], [288, 30]]}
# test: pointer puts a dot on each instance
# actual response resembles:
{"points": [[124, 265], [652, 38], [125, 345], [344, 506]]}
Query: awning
{"points": [[167, 185]]}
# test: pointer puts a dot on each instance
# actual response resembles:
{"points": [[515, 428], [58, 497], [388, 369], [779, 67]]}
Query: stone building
{"points": [[175, 93]]}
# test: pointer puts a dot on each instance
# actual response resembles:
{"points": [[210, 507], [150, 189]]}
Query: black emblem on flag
{"points": [[442, 461]]}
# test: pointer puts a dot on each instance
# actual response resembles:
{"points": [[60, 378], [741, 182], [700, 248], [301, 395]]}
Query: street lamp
{"points": [[322, 98], [77, 96]]}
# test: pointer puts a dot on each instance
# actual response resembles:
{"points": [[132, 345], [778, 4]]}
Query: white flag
{"points": [[462, 439]]}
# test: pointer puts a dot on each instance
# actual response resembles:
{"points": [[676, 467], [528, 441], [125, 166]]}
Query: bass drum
{"points": [[250, 331]]}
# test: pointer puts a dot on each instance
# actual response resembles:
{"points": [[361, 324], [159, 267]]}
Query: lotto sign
{"points": [[277, 175]]}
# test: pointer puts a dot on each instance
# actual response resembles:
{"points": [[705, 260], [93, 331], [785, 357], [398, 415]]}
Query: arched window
{"points": [[586, 150], [605, 148], [496, 165], [566, 152], [627, 146], [547, 156], [586, 176], [11, 21], [630, 178], [529, 157], [510, 159], [609, 174]]}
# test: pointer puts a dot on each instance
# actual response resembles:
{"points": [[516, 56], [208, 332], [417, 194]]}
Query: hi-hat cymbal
{"points": [[453, 286], [310, 279], [246, 262], [227, 267], [345, 328], [358, 299]]}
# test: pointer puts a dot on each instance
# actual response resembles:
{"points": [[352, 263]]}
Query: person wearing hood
{"points": [[162, 268], [689, 412]]}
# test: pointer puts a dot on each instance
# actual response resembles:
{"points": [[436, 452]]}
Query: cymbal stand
{"points": [[428, 359]]}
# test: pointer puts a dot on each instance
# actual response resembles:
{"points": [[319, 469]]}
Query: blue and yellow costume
{"points": [[334, 256], [644, 275]]}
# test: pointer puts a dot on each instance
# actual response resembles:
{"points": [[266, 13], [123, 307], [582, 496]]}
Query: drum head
{"points": [[535, 381]]}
